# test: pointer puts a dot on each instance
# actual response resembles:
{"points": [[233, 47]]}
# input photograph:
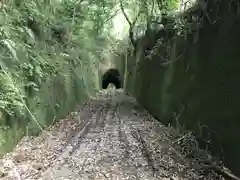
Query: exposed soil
{"points": [[111, 137]]}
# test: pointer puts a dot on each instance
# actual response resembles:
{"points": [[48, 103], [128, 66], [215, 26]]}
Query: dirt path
{"points": [[111, 137]]}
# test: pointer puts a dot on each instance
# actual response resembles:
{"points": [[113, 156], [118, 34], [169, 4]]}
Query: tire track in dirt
{"points": [[135, 143], [88, 142], [117, 139]]}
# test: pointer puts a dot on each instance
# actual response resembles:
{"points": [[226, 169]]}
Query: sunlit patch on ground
{"points": [[111, 86]]}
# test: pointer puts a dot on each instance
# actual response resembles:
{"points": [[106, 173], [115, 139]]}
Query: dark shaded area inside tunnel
{"points": [[111, 76]]}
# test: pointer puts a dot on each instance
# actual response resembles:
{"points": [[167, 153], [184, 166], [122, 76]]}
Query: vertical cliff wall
{"points": [[198, 85]]}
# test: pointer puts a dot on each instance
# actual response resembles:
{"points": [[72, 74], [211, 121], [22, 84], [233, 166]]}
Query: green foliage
{"points": [[152, 16], [49, 56], [10, 102]]}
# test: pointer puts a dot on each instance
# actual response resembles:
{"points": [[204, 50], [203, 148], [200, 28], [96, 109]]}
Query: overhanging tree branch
{"points": [[112, 16], [131, 25], [124, 13], [160, 4]]}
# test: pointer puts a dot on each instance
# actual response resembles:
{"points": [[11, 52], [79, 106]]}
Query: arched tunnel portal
{"points": [[111, 76]]}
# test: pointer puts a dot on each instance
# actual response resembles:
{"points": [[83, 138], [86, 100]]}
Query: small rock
{"points": [[3, 173], [19, 157], [37, 166]]}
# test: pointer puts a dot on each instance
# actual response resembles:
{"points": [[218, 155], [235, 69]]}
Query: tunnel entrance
{"points": [[111, 76]]}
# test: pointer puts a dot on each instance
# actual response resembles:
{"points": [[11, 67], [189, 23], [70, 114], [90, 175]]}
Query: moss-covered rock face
{"points": [[200, 89], [49, 57]]}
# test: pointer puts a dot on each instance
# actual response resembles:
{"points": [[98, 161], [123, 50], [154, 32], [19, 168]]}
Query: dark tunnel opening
{"points": [[111, 76]]}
